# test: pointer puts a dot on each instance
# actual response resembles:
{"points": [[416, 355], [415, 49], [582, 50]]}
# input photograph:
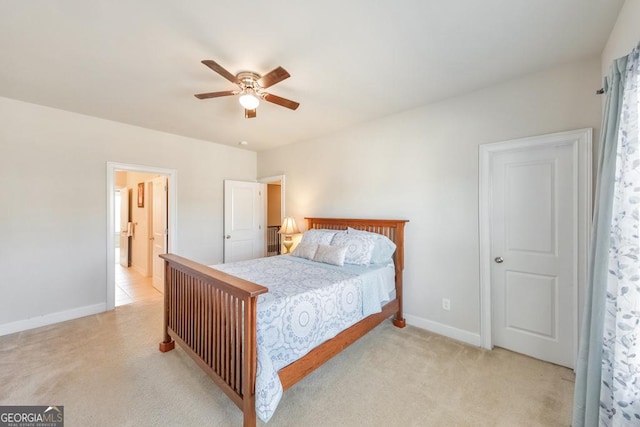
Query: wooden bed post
{"points": [[399, 320], [167, 343], [250, 362]]}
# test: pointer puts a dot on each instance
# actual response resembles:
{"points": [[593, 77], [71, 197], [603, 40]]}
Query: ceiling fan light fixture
{"points": [[249, 100], [251, 87]]}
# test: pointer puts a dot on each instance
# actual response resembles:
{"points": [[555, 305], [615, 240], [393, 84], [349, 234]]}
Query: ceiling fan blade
{"points": [[218, 69], [215, 94], [249, 114], [273, 77], [281, 101]]}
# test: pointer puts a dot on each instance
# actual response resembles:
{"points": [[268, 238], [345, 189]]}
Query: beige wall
{"points": [[53, 221], [120, 179], [274, 205], [422, 165]]}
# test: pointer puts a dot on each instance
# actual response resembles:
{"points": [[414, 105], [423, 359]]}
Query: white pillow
{"points": [[359, 246], [319, 236], [330, 254], [383, 249], [305, 250]]}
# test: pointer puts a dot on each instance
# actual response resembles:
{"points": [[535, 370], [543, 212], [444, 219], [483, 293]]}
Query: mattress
{"points": [[307, 304]]}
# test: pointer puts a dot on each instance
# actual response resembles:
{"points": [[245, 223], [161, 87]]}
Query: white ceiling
{"points": [[350, 61]]}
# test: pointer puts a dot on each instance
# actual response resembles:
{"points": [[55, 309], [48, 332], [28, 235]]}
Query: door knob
{"points": [[227, 236], [499, 260]]}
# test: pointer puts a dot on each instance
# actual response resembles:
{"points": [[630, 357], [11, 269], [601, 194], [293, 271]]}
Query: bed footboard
{"points": [[212, 316]]}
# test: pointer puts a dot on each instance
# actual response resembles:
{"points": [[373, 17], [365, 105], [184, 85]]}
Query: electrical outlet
{"points": [[446, 304]]}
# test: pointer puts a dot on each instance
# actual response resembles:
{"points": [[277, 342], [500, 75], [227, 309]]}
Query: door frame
{"points": [[580, 140], [172, 212]]}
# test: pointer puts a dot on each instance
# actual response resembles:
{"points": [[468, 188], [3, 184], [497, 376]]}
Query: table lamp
{"points": [[288, 228]]}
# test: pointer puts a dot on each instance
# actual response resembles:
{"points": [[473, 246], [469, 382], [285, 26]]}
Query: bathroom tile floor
{"points": [[131, 286]]}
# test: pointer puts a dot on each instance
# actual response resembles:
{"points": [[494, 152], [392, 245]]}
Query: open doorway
{"points": [[140, 216], [141, 211], [275, 213]]}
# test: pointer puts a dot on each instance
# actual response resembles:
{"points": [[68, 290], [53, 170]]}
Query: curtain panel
{"points": [[608, 366]]}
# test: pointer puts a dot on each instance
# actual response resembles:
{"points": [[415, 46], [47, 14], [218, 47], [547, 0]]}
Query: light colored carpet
{"points": [[106, 370]]}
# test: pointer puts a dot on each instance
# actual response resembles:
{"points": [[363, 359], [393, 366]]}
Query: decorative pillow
{"points": [[319, 236], [383, 249], [330, 254], [359, 246], [305, 250]]}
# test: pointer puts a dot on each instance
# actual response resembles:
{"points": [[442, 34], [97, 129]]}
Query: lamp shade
{"points": [[249, 100], [289, 226]]}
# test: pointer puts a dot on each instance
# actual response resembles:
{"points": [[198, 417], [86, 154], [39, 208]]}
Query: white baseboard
{"points": [[445, 330], [49, 319]]}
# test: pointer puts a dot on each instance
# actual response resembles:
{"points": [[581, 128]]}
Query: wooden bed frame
{"points": [[212, 316]]}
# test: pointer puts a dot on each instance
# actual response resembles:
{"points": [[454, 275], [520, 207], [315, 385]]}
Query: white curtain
{"points": [[620, 376]]}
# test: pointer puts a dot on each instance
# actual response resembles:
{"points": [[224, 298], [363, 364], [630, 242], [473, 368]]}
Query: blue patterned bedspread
{"points": [[307, 303]]}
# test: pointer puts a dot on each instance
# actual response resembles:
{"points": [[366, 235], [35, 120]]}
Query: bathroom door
{"points": [[159, 229]]}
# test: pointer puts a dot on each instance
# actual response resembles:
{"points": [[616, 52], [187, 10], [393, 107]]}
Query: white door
{"points": [[535, 249], [244, 216], [159, 229], [124, 224]]}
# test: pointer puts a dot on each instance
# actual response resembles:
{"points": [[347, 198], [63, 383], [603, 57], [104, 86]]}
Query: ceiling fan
{"points": [[251, 88]]}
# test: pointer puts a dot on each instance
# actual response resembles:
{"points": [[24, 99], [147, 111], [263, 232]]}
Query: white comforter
{"points": [[307, 303]]}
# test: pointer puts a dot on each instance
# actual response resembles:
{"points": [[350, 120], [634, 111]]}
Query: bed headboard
{"points": [[392, 228]]}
